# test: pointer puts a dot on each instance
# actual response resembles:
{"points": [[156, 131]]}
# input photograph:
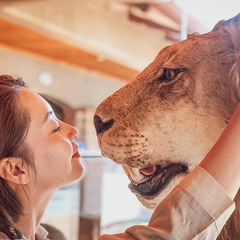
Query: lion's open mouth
{"points": [[158, 180]]}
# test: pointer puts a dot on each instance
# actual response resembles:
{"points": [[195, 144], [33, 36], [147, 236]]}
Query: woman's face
{"points": [[52, 143]]}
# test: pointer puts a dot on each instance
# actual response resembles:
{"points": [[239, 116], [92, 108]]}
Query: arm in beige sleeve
{"points": [[225, 151], [186, 213]]}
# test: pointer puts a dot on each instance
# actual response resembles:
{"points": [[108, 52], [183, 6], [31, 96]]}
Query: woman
{"points": [[38, 155]]}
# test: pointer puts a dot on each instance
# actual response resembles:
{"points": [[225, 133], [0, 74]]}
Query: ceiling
{"points": [[89, 47]]}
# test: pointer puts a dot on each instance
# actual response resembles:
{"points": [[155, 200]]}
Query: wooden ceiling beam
{"points": [[28, 41], [174, 12], [151, 13]]}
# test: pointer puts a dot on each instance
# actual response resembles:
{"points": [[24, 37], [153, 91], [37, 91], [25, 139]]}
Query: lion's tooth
{"points": [[133, 174]]}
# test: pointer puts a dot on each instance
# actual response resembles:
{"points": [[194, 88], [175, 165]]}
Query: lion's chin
{"points": [[151, 202], [158, 180]]}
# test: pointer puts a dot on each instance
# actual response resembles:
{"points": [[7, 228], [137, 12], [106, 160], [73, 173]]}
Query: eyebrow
{"points": [[48, 115]]}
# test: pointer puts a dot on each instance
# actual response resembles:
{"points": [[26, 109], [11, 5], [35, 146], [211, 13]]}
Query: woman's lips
{"points": [[76, 155]]}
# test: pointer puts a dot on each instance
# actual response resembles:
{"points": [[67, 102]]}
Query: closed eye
{"points": [[169, 74], [57, 129]]}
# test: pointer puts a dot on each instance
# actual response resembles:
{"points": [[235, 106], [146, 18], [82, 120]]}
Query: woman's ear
{"points": [[14, 170]]}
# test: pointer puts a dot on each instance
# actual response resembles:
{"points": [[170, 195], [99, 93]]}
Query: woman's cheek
{"points": [[65, 150]]}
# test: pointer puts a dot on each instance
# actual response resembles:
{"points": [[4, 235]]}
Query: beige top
{"points": [[196, 209]]}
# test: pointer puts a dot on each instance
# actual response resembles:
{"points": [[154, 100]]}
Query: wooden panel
{"points": [[157, 16], [172, 11], [26, 40]]}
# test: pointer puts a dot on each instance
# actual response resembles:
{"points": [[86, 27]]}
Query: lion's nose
{"points": [[101, 126]]}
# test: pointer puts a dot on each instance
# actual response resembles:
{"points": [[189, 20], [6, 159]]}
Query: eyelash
{"points": [[57, 129]]}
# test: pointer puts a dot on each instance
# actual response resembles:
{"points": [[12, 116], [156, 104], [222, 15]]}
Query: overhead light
{"points": [[45, 78]]}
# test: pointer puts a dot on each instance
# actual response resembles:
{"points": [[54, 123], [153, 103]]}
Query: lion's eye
{"points": [[169, 74]]}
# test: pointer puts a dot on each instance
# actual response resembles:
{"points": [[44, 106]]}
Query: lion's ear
{"points": [[232, 26], [14, 170], [234, 30]]}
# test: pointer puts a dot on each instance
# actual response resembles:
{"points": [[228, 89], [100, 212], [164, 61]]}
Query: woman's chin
{"points": [[78, 172]]}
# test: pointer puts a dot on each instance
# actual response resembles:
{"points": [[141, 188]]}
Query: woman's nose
{"points": [[75, 132], [71, 131]]}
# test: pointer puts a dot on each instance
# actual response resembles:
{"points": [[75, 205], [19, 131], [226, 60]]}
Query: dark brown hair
{"points": [[14, 126]]}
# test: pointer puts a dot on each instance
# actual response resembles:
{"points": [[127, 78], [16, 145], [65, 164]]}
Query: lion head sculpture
{"points": [[161, 125]]}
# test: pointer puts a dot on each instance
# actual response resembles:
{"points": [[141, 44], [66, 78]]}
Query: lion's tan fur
{"points": [[156, 121]]}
